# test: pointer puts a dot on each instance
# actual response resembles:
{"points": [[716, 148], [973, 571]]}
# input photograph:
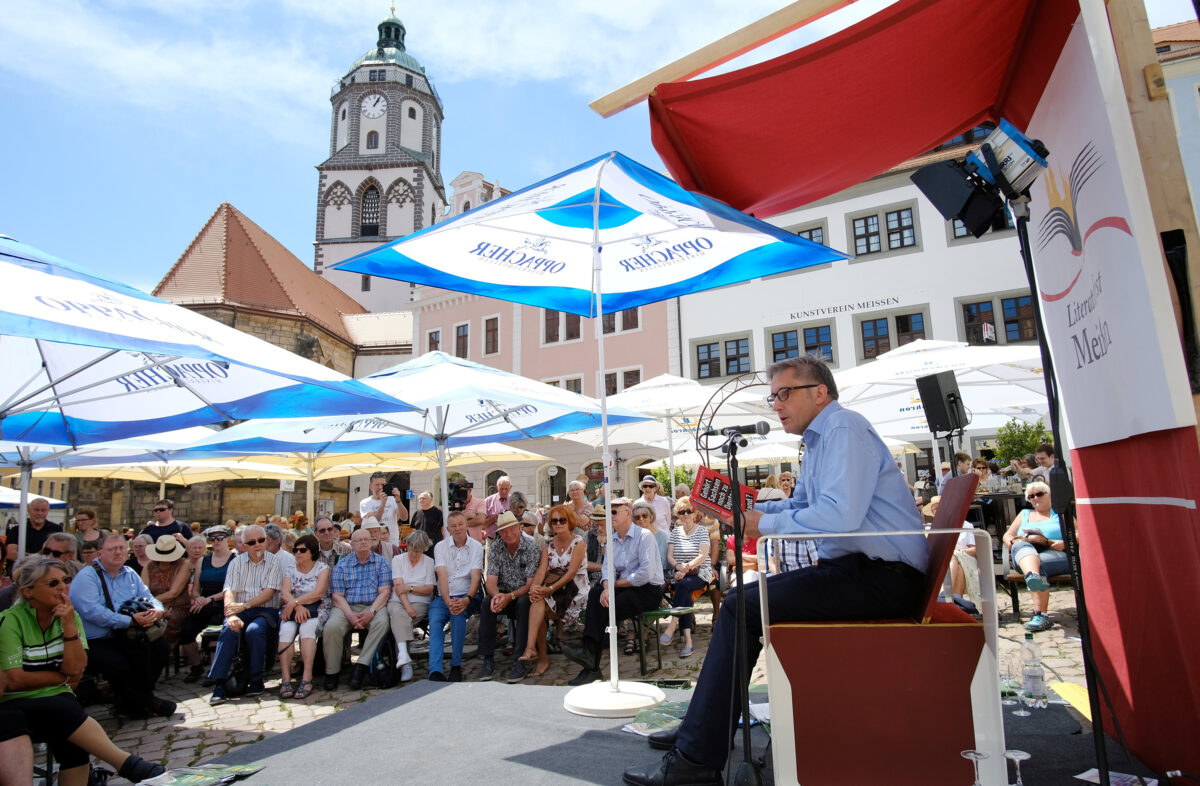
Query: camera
{"points": [[135, 606], [388, 488], [458, 495]]}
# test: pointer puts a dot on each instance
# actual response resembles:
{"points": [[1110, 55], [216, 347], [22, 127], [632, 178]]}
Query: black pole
{"points": [[748, 773], [1062, 496]]}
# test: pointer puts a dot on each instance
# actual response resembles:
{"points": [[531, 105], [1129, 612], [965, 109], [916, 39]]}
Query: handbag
{"points": [[134, 632]]}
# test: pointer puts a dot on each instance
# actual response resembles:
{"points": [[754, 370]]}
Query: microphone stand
{"points": [[748, 772]]}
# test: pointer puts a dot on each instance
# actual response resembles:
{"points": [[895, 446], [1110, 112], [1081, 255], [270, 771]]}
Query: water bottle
{"points": [[1033, 676]]}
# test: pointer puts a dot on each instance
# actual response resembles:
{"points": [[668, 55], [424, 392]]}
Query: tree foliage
{"points": [[1017, 437], [682, 475]]}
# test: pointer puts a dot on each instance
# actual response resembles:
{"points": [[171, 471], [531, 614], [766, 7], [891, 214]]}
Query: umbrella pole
{"points": [[162, 489], [310, 497], [441, 454], [23, 510], [671, 447]]}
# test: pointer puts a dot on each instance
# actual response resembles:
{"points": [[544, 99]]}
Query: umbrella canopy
{"points": [[10, 499]]}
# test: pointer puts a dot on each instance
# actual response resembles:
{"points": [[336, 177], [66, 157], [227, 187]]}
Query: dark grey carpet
{"points": [[452, 733]]}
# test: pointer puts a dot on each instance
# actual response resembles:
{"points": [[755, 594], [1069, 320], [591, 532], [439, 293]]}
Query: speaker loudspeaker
{"points": [[941, 401]]}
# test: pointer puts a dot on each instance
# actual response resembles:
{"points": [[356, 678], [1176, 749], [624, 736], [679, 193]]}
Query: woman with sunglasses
{"points": [[1035, 540], [206, 594], [43, 653], [306, 605], [690, 563], [560, 585]]}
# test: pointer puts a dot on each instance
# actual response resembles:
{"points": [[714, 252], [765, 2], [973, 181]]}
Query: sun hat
{"points": [[506, 520], [166, 549]]}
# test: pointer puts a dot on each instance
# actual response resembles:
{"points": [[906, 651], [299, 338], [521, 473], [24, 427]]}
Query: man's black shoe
{"points": [[663, 740], [255, 688], [456, 673], [488, 670], [586, 676], [437, 676], [162, 707], [331, 681], [582, 657], [674, 770], [357, 676]]}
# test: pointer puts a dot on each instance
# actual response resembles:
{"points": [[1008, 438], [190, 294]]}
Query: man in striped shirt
{"points": [[251, 608]]}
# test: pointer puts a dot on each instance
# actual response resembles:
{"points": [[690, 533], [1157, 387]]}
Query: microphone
{"points": [[761, 428]]}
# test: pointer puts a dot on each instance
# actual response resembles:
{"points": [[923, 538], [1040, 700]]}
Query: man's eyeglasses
{"points": [[783, 393], [323, 530], [558, 520], [52, 583], [641, 515], [161, 510], [1036, 495], [255, 542], [47, 551]]}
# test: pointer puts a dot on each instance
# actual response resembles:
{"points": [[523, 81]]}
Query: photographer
{"points": [[463, 499], [386, 505]]}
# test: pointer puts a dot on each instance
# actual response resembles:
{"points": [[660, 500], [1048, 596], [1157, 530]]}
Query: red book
{"points": [[714, 492]]}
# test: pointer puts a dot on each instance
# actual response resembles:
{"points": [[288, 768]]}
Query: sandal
{"points": [[528, 655], [305, 689], [631, 646], [287, 690], [541, 669]]}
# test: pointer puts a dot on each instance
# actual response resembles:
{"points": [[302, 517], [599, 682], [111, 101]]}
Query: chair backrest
{"points": [[956, 499]]}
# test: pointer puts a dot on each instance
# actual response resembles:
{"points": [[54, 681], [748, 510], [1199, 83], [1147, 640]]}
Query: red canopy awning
{"points": [[810, 123]]}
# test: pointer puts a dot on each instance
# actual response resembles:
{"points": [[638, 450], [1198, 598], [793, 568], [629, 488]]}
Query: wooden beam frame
{"points": [[753, 35]]}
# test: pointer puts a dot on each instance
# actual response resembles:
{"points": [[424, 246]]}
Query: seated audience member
{"points": [[646, 517], [964, 570], [682, 490], [638, 587], [689, 558], [61, 546], [770, 490], [239, 540], [379, 542], [89, 551], [206, 598], [597, 539], [661, 505], [167, 578], [1038, 551], [37, 529], [579, 505], [331, 548], [559, 587], [138, 559], [962, 462], [512, 559], [43, 652], [361, 584], [458, 563], [289, 540], [275, 546], [749, 560], [413, 583], [16, 749], [251, 608], [130, 663], [495, 504], [305, 592]]}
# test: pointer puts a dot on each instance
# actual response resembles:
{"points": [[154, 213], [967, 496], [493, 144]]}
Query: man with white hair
{"points": [[428, 518], [61, 546], [361, 584], [37, 529], [496, 504]]}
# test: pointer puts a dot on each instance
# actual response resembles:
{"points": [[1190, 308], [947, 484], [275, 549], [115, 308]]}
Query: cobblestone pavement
{"points": [[199, 732]]}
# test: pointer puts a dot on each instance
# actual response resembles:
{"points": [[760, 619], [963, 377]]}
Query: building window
{"points": [[818, 341], [708, 361], [1000, 222], [575, 384], [1019, 323], [757, 475], [785, 344], [627, 379], [629, 319], [369, 223], [365, 284], [343, 113], [875, 337], [434, 342], [610, 384], [372, 140], [466, 206], [610, 323], [816, 234], [491, 335], [980, 321], [572, 326], [551, 334], [866, 235], [461, 335], [737, 356], [631, 378], [901, 233], [408, 82], [552, 383], [412, 113], [909, 327]]}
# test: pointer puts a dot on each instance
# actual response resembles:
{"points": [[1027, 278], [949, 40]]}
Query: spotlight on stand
{"points": [[973, 191]]}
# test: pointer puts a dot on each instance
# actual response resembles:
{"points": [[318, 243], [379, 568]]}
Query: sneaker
{"points": [[456, 673], [1036, 582], [687, 651], [406, 672], [255, 688], [437, 676], [516, 673], [489, 669], [218, 696], [1040, 621], [665, 639], [194, 674]]}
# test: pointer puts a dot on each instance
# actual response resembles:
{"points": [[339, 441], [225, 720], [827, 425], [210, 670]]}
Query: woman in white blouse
{"points": [[413, 580]]}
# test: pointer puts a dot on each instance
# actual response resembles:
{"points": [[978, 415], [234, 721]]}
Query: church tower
{"points": [[382, 179]]}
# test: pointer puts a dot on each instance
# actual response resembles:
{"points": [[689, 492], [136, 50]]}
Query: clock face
{"points": [[374, 105]]}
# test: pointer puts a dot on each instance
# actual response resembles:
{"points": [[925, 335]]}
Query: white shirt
{"points": [[458, 562], [287, 563], [662, 512], [415, 576], [370, 507]]}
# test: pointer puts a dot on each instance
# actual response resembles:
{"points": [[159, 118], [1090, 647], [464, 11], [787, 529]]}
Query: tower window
{"points": [[408, 80], [373, 140], [412, 113], [369, 223], [343, 113], [466, 206], [366, 283]]}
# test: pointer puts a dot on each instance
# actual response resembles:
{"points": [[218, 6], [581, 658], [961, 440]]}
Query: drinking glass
{"points": [[1007, 683], [1016, 757], [975, 757], [1015, 668]]}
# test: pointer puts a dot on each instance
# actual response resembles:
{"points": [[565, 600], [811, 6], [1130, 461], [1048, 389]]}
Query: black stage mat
{"points": [[492, 732]]}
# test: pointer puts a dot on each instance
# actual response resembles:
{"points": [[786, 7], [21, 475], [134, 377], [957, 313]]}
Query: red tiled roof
{"points": [[234, 261], [1181, 31]]}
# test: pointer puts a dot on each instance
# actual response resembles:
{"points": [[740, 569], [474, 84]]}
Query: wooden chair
{"points": [[890, 701]]}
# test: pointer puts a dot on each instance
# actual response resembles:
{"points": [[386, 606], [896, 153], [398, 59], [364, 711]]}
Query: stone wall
{"points": [[295, 334]]}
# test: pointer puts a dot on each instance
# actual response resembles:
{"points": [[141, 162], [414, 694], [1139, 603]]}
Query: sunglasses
{"points": [[254, 542], [161, 510], [1036, 495], [558, 521], [326, 529], [641, 515], [685, 512], [52, 583], [47, 551], [215, 538], [300, 550]]}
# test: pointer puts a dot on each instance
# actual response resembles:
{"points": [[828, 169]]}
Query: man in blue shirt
{"points": [[131, 666], [361, 585], [848, 483], [637, 568]]}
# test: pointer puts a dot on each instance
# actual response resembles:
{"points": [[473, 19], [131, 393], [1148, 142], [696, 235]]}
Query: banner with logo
{"points": [[1099, 269]]}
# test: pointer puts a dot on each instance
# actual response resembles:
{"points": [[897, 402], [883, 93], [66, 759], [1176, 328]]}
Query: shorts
{"points": [[52, 719], [309, 629]]}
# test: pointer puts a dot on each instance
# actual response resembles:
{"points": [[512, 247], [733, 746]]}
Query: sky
{"points": [[126, 123]]}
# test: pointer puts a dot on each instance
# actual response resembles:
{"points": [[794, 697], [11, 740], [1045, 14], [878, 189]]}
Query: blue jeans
{"points": [[844, 588], [259, 622], [439, 612]]}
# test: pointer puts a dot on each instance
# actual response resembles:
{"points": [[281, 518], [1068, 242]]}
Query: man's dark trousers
{"points": [[629, 601]]}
